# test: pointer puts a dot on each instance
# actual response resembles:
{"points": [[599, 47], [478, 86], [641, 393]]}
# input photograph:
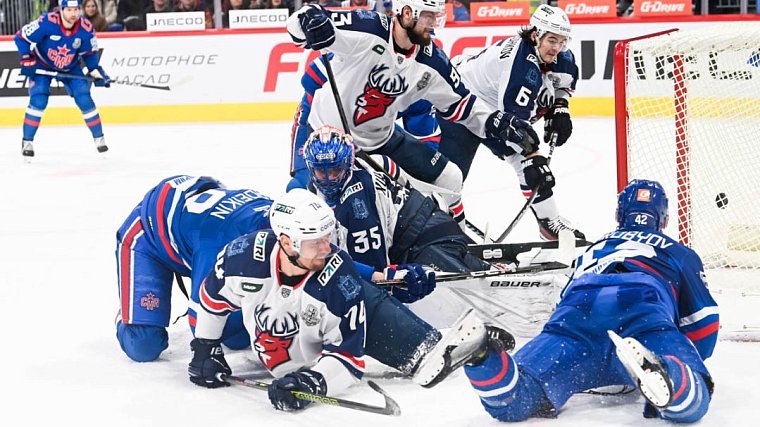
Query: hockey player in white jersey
{"points": [[310, 316], [530, 75], [382, 65]]}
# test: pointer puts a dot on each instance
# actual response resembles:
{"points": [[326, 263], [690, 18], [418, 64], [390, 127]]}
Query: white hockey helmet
{"points": [[302, 216], [549, 19], [438, 7]]}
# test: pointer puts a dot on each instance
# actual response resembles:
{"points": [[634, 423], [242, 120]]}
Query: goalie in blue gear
{"points": [[381, 222], [54, 46], [635, 312]]}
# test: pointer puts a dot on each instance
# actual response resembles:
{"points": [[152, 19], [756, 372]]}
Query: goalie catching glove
{"points": [[420, 282]]}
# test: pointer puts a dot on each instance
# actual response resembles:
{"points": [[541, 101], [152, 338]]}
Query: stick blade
{"points": [[391, 407]]}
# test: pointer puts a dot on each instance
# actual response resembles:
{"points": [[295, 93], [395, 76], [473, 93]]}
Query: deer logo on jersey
{"points": [[60, 56], [381, 89], [274, 335]]}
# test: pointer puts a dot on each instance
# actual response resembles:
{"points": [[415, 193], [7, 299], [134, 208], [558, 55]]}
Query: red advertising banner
{"points": [[449, 12], [645, 8], [589, 8], [500, 11]]}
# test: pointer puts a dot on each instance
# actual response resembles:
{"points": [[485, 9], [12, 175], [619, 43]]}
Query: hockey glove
{"points": [[537, 173], [558, 120], [306, 381], [28, 65], [317, 27], [208, 363], [512, 131], [420, 282], [101, 78]]}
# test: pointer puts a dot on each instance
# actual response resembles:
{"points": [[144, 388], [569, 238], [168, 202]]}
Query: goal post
{"points": [[688, 116]]}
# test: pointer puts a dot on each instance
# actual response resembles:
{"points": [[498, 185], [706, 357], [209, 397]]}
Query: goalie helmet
{"points": [[548, 19], [438, 7], [329, 155], [642, 204], [302, 215]]}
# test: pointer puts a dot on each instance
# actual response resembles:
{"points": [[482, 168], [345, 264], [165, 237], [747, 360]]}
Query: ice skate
{"points": [[27, 150], [467, 340], [100, 144], [550, 228], [645, 369]]}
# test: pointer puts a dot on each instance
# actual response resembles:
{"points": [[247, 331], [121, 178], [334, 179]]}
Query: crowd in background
{"points": [[129, 15]]}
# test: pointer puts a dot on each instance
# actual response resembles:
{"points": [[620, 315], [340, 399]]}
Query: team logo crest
{"points": [[150, 302], [360, 209], [381, 89], [285, 291], [61, 56], [310, 316], [76, 43], [274, 335], [424, 81]]}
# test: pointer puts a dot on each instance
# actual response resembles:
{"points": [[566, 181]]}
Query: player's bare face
{"points": [[70, 16], [550, 45]]}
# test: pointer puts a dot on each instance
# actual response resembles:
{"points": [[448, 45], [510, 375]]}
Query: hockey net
{"points": [[688, 116]]}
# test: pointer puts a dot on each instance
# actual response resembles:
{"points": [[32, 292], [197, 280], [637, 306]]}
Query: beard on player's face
{"points": [[419, 34]]}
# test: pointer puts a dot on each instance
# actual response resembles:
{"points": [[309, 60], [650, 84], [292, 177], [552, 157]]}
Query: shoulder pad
{"points": [[86, 25], [53, 17]]}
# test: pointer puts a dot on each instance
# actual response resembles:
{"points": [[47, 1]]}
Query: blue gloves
{"points": [[28, 65], [537, 173], [208, 363], [101, 78], [317, 27], [507, 127], [419, 282], [307, 381], [558, 121]]}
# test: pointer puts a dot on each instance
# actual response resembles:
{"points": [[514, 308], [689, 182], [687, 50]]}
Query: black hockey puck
{"points": [[721, 200]]}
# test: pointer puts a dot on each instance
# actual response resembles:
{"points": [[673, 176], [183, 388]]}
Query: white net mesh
{"points": [[693, 101]]}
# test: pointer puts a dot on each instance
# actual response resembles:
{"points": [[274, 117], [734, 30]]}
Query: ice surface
{"points": [[60, 359]]}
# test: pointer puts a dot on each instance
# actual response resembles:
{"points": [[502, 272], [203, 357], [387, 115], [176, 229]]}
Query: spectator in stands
{"points": [[159, 6], [196, 6], [228, 5], [461, 9], [108, 8], [329, 3], [91, 11], [272, 4], [624, 7], [131, 14], [365, 4]]}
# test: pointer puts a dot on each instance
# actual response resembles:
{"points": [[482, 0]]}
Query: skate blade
{"points": [[653, 386]]}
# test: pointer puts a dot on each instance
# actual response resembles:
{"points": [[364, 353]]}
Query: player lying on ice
{"points": [[304, 305], [636, 311]]}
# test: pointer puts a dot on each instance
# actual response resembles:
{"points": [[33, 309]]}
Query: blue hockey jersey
{"points": [[677, 269], [318, 323], [56, 47]]}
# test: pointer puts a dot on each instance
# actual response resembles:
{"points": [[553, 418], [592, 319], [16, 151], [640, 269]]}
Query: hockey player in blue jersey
{"points": [[530, 75], [636, 283], [380, 221], [309, 313], [418, 120], [382, 66], [57, 42], [178, 228]]}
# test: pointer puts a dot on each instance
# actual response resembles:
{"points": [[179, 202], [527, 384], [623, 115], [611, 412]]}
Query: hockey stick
{"points": [[390, 408], [549, 267], [552, 144], [93, 79]]}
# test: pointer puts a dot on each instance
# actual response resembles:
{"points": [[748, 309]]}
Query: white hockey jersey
{"points": [[510, 76], [317, 324], [375, 82]]}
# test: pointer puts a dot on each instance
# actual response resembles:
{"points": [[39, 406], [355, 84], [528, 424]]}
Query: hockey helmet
{"points": [[304, 217], [438, 7], [549, 19], [329, 155], [642, 204], [69, 3]]}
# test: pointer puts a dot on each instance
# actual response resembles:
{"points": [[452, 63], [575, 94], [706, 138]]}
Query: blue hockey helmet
{"points": [[642, 204], [69, 3], [329, 155]]}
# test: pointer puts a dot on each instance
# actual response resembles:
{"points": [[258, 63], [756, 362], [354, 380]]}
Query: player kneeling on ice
{"points": [[53, 46], [305, 306], [635, 283], [381, 222]]}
